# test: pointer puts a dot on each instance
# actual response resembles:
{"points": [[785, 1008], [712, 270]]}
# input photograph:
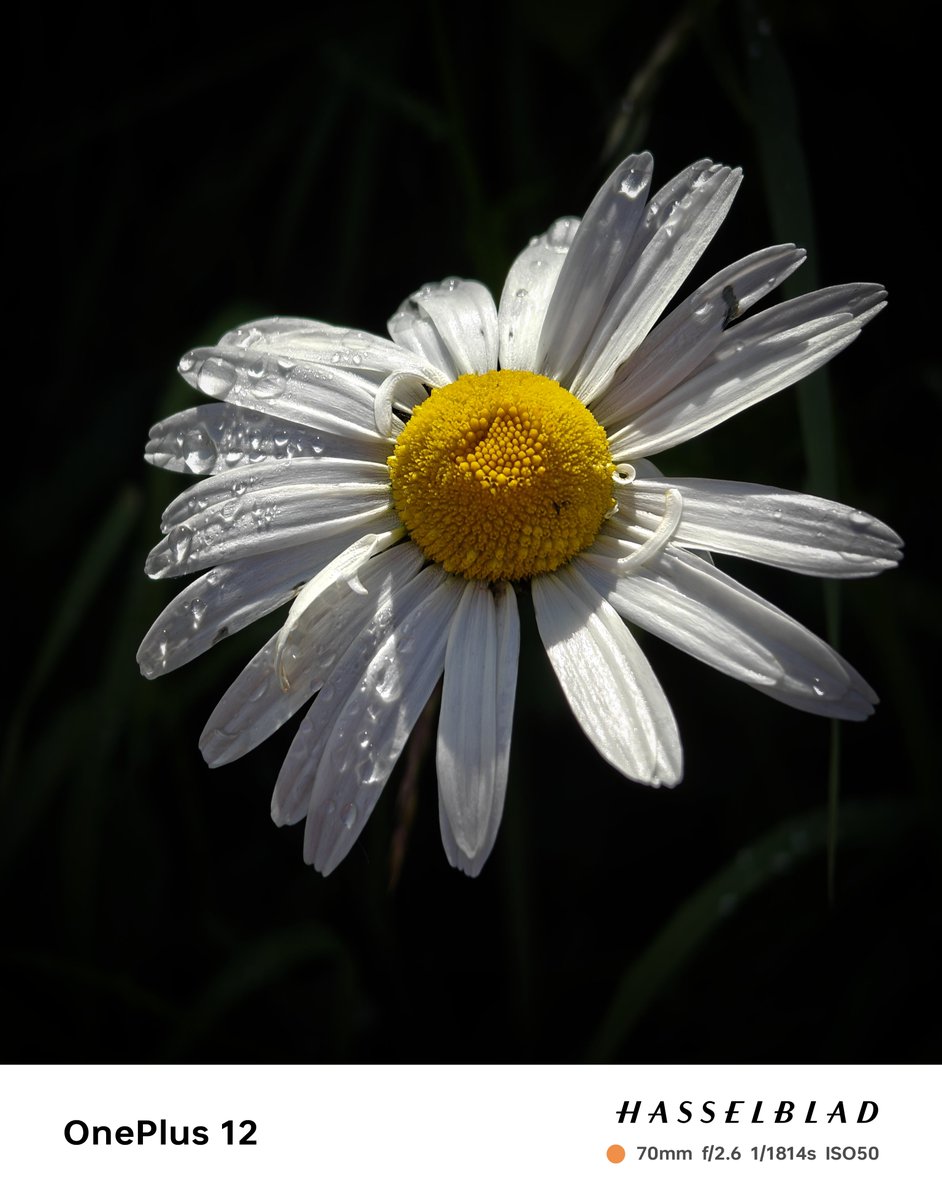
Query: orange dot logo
{"points": [[615, 1153]]}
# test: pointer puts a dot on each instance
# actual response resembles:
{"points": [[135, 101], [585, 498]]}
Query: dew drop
{"points": [[180, 540], [216, 378], [387, 684], [349, 816], [860, 519], [197, 611], [269, 387], [198, 450], [633, 184]]}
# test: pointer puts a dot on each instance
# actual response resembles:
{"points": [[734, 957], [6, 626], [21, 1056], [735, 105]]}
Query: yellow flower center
{"points": [[502, 476]]}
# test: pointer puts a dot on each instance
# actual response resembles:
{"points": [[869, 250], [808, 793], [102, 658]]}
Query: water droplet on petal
{"points": [[197, 609], [633, 184], [216, 378], [180, 540], [198, 451], [270, 386]]}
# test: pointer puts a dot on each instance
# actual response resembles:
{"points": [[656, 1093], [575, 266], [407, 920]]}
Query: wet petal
{"points": [[678, 344], [314, 396], [674, 239], [366, 356], [607, 680], [594, 265], [752, 360], [228, 598], [453, 324], [357, 726], [274, 519], [527, 292], [697, 608], [475, 723], [802, 533], [220, 437], [257, 703]]}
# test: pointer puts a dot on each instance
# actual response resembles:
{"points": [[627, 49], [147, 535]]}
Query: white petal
{"points": [[607, 680], [697, 608], [219, 437], [679, 343], [628, 541], [273, 520], [228, 598], [474, 728], [594, 265], [676, 237], [467, 726], [453, 324], [802, 533], [527, 292], [356, 728], [249, 486], [257, 704], [398, 393], [364, 355], [753, 360], [343, 572], [315, 396]]}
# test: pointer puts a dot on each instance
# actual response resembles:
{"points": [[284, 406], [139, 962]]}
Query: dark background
{"points": [[173, 178]]}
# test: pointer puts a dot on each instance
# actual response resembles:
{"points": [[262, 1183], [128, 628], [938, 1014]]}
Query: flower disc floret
{"points": [[504, 475]]}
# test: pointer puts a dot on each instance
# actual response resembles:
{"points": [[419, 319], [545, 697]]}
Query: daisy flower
{"points": [[401, 493]]}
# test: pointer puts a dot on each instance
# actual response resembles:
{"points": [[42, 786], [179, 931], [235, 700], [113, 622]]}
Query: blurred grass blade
{"points": [[688, 930], [788, 194], [72, 609], [262, 964], [629, 126]]}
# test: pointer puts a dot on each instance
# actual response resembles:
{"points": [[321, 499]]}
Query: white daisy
{"points": [[402, 492]]}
